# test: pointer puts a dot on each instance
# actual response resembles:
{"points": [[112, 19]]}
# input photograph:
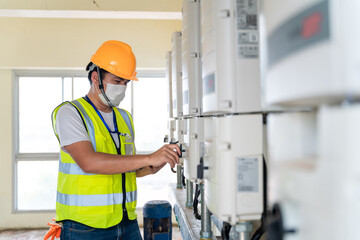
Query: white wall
{"points": [[30, 43]]}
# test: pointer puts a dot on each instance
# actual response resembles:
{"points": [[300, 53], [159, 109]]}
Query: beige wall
{"points": [[35, 42], [62, 43]]}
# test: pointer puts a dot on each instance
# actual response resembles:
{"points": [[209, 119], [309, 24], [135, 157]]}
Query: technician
{"points": [[96, 191]]}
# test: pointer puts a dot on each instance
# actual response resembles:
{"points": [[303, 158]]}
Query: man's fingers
{"points": [[171, 159], [174, 147], [174, 155], [171, 163], [169, 153]]}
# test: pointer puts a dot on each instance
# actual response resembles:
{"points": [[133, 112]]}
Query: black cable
{"points": [[196, 202], [183, 177], [171, 142], [225, 231], [262, 229], [265, 188]]}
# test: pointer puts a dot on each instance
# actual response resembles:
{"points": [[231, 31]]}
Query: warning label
{"points": [[248, 174]]}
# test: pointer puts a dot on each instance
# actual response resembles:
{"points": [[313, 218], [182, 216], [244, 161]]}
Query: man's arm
{"points": [[148, 170], [102, 163]]}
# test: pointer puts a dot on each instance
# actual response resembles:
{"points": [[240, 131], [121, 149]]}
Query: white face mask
{"points": [[115, 93]]}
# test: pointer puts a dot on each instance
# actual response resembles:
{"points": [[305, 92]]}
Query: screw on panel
{"points": [[225, 13]]}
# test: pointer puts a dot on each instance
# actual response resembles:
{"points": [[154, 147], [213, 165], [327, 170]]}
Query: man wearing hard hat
{"points": [[96, 191]]}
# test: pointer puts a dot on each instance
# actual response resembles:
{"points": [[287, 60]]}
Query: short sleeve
{"points": [[70, 126]]}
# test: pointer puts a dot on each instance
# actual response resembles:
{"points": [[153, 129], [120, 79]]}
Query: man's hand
{"points": [[102, 163], [168, 153], [148, 170], [154, 170]]}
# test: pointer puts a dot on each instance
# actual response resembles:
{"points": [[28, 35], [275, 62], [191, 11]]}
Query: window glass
{"points": [[155, 187], [126, 103], [150, 113], [67, 89], [150, 120], [81, 87], [37, 99], [38, 96], [37, 185]]}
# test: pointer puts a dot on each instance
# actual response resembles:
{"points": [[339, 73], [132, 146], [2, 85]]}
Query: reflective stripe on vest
{"points": [[127, 120], [94, 200], [131, 196], [89, 123], [72, 168]]}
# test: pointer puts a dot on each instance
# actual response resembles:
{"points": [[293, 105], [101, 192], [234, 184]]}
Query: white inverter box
{"points": [[194, 146], [176, 75], [168, 75], [234, 188], [191, 58], [230, 56], [312, 51]]}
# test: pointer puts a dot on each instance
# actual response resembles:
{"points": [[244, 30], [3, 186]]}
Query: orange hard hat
{"points": [[117, 58]]}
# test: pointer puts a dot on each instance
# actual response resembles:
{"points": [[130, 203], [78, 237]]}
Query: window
{"points": [[36, 148], [150, 120]]}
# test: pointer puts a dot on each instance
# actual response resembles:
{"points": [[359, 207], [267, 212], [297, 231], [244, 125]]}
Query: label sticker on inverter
{"points": [[202, 149], [247, 27], [248, 174], [209, 84], [246, 14], [248, 38], [248, 51]]}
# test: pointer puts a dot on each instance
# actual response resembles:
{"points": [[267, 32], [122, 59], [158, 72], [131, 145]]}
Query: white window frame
{"points": [[151, 73], [17, 156]]}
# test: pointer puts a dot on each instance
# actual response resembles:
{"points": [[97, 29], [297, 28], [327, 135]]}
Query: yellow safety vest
{"points": [[93, 199]]}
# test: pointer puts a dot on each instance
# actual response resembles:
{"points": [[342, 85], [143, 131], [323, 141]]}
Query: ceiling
{"points": [[106, 9], [94, 5]]}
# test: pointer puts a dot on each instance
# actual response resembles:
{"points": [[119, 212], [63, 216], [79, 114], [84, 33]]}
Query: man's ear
{"points": [[94, 77]]}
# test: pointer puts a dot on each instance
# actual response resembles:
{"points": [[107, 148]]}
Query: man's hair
{"points": [[92, 67]]}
